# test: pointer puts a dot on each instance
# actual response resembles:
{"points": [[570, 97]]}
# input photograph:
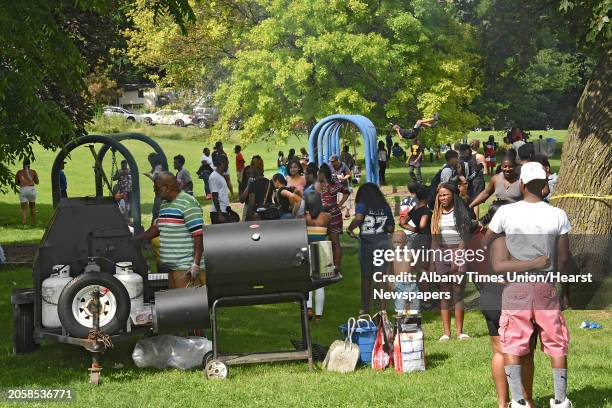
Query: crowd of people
{"points": [[299, 189], [442, 216], [521, 232]]}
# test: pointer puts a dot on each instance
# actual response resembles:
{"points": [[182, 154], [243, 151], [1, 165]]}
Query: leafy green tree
{"points": [[537, 57], [190, 60], [102, 89], [46, 48], [551, 85], [279, 66], [533, 67], [388, 60]]}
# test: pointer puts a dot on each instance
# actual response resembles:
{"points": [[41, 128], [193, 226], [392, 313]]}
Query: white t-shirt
{"points": [[208, 161], [218, 185], [517, 144], [532, 229]]}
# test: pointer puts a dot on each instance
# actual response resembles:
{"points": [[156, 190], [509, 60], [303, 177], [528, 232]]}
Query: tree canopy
{"points": [[48, 48], [280, 65], [533, 61]]}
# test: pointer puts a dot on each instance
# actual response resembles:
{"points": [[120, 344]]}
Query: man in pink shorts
{"points": [[533, 229]]}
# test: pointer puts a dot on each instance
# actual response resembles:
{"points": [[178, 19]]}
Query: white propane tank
{"points": [[132, 282], [51, 289]]}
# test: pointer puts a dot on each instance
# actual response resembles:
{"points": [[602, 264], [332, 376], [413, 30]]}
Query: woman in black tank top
{"points": [[285, 197]]}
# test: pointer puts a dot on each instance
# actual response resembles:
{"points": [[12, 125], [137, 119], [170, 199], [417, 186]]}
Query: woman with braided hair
{"points": [[451, 225]]}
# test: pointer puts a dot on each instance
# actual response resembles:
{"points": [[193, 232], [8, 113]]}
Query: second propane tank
{"points": [[133, 283]]}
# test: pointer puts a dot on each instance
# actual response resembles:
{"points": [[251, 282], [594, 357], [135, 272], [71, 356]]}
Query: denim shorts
{"points": [[400, 303]]}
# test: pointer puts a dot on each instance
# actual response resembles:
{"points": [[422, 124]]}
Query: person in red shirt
{"points": [[490, 150], [239, 165]]}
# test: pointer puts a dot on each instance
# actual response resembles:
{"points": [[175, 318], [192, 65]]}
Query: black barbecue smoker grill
{"points": [[246, 264]]}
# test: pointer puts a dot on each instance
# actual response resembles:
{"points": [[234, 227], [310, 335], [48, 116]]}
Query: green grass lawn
{"points": [[457, 374]]}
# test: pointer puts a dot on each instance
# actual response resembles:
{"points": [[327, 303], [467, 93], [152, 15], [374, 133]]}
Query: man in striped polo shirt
{"points": [[179, 228]]}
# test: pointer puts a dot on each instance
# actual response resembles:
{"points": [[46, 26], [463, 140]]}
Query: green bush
{"points": [[111, 124]]}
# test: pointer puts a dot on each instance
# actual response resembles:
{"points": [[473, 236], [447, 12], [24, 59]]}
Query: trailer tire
{"points": [[207, 357], [216, 370], [23, 328], [75, 317]]}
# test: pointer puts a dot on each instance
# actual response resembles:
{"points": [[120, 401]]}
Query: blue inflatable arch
{"points": [[324, 141]]}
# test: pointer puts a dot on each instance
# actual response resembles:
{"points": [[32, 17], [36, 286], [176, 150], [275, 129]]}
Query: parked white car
{"points": [[168, 117], [110, 111]]}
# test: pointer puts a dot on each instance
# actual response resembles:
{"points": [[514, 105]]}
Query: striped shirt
{"points": [[180, 222], [448, 231], [316, 233]]}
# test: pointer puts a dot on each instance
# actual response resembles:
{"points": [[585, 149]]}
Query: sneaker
{"points": [[444, 338], [517, 404], [565, 404], [463, 336]]}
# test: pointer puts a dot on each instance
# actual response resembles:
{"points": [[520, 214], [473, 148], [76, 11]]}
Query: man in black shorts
{"points": [[412, 133]]}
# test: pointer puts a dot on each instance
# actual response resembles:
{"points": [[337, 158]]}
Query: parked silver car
{"points": [[110, 111], [205, 117]]}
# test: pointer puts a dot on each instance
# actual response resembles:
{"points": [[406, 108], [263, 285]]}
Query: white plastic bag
{"points": [[171, 351]]}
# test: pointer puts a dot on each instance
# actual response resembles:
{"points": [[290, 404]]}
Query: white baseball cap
{"points": [[532, 171]]}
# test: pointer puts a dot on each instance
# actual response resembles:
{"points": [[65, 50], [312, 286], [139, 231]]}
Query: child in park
{"points": [[406, 301]]}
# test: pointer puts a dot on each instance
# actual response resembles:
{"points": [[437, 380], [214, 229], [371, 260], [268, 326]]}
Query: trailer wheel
{"points": [[76, 302], [23, 328], [207, 357], [215, 370]]}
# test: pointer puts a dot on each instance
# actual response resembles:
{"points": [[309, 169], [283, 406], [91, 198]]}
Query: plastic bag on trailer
{"points": [[171, 352]]}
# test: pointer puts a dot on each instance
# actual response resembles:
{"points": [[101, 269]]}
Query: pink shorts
{"points": [[525, 305]]}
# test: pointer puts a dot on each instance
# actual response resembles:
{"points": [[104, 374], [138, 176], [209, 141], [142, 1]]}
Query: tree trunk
{"points": [[586, 167]]}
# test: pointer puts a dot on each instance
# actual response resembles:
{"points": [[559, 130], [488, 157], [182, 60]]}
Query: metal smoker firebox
{"points": [[249, 263]]}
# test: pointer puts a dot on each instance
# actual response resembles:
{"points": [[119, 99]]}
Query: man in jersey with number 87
{"points": [[374, 218]]}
